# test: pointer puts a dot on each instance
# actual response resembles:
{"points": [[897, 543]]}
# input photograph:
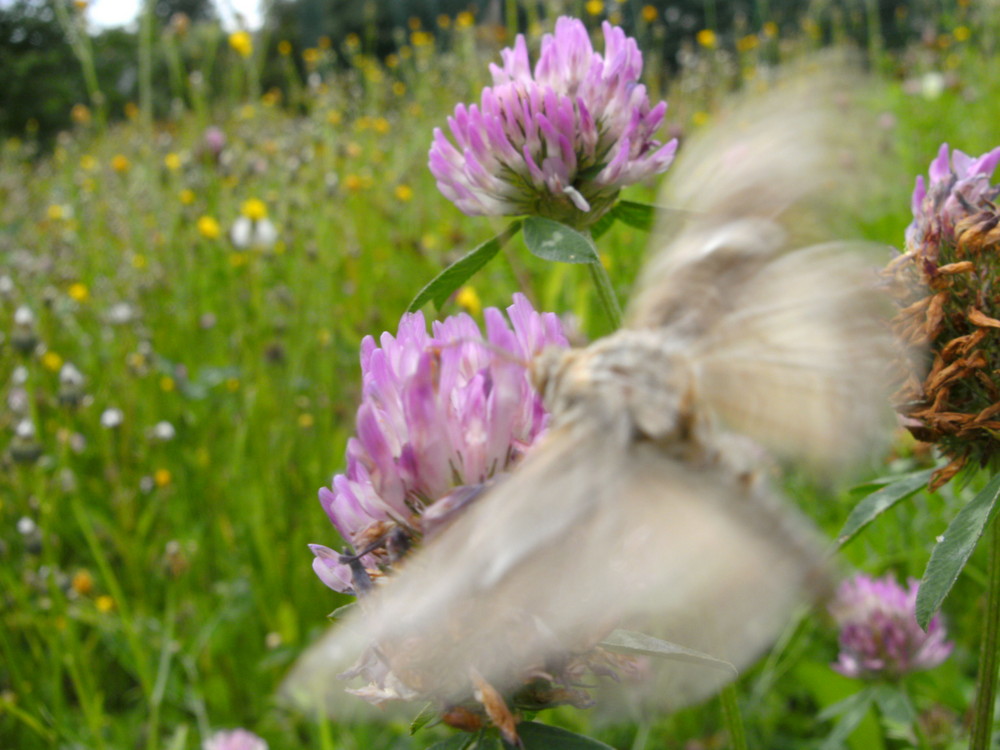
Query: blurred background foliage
{"points": [[43, 42]]}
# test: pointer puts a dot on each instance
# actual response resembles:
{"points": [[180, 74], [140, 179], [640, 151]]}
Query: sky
{"points": [[104, 14]]}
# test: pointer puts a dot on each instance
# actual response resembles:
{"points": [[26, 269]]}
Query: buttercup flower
{"points": [[441, 414], [560, 141], [946, 287], [879, 635]]}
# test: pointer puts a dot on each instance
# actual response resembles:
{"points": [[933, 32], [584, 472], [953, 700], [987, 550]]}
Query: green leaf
{"points": [[954, 550], [427, 714], [535, 736], [637, 215], [880, 501], [455, 742], [551, 240], [445, 283], [895, 705], [630, 642], [851, 711]]}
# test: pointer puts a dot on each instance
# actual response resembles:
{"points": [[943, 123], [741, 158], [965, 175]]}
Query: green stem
{"points": [[734, 722], [606, 293], [982, 723]]}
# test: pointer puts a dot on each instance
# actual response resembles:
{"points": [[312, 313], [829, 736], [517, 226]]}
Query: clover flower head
{"points": [[441, 412], [237, 739], [958, 185], [944, 285], [560, 141], [879, 634]]}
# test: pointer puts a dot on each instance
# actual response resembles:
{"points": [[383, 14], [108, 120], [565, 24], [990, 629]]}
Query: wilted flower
{"points": [[946, 287], [561, 141], [440, 412], [879, 634], [237, 739]]}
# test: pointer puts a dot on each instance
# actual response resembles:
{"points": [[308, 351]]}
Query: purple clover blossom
{"points": [[879, 635], [440, 411], [237, 739], [561, 142], [956, 190]]}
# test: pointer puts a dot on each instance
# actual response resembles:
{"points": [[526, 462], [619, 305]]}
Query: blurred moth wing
{"points": [[640, 508], [584, 537]]}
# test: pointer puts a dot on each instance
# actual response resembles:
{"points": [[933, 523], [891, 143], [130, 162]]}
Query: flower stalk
{"points": [[606, 293], [982, 721]]}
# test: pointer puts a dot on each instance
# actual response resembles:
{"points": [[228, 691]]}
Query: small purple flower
{"points": [[440, 412], [560, 142], [879, 635], [956, 190], [237, 739]]}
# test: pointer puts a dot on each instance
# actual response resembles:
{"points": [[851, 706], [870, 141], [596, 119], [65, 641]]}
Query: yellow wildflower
{"points": [[464, 20], [700, 117], [284, 48], [120, 163], [413, 22], [131, 110], [381, 125], [649, 13], [770, 29], [254, 209], [444, 21], [172, 162], [209, 228], [51, 361], [242, 42], [747, 43], [162, 477], [167, 384], [78, 292], [105, 604], [594, 7], [54, 212], [232, 384], [324, 42], [186, 197], [83, 582], [139, 261], [707, 39], [468, 299], [421, 39], [352, 182], [962, 33], [399, 88], [88, 163], [80, 114], [334, 117], [310, 56], [306, 420], [404, 193], [391, 60]]}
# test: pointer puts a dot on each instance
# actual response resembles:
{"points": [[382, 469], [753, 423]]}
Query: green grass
{"points": [[169, 587]]}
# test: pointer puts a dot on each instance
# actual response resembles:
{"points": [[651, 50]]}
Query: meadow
{"points": [[176, 388]]}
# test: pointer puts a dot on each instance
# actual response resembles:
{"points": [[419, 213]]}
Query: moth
{"points": [[752, 338]]}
